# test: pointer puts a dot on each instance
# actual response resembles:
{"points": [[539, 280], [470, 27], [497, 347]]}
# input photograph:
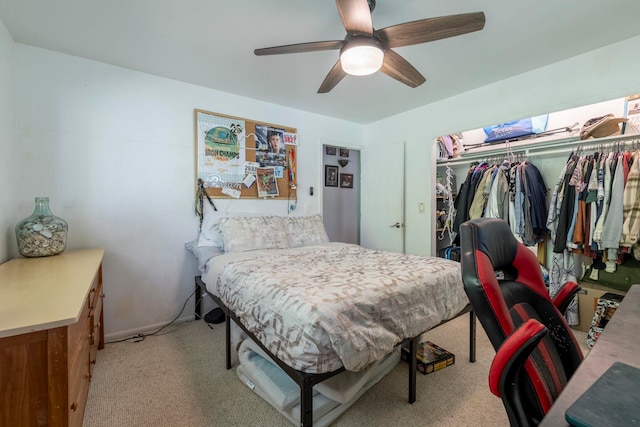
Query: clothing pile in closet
{"points": [[595, 207], [513, 191]]}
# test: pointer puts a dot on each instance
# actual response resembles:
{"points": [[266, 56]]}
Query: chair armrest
{"points": [[513, 353], [565, 295]]}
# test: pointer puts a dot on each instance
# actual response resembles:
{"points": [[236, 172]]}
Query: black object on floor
{"points": [[215, 316]]}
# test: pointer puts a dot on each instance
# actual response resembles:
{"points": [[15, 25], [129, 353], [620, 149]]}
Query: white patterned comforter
{"points": [[319, 308]]}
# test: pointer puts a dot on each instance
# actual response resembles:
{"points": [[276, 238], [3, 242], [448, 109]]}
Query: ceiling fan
{"points": [[365, 50]]}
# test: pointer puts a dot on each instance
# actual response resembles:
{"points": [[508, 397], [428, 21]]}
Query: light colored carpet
{"points": [[179, 379]]}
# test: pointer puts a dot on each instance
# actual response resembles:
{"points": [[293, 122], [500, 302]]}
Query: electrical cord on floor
{"points": [[141, 336]]}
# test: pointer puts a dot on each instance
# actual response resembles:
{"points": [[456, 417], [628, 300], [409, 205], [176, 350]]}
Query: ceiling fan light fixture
{"points": [[362, 59]]}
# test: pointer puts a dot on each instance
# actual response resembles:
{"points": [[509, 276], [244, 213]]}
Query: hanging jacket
{"points": [[461, 203], [606, 196], [498, 202], [554, 207], [612, 227], [479, 202], [536, 193], [631, 204], [566, 210]]}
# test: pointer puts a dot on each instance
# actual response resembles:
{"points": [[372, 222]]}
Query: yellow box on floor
{"points": [[430, 357], [588, 301]]}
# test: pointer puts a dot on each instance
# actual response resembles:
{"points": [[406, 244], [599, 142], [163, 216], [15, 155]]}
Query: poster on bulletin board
{"points": [[242, 158]]}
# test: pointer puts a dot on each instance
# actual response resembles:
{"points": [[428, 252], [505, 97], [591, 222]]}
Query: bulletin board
{"points": [[244, 159]]}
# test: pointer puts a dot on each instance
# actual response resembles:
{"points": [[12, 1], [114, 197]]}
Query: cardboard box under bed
{"points": [[430, 357]]}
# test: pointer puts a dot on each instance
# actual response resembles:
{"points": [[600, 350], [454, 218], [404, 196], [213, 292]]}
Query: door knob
{"points": [[396, 225]]}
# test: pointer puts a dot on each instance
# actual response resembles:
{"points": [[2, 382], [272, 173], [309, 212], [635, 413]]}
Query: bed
{"points": [[319, 308]]}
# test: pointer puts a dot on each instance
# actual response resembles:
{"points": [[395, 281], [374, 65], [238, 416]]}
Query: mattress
{"points": [[320, 308]]}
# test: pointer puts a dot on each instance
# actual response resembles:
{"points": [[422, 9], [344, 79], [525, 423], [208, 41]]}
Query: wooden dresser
{"points": [[51, 327]]}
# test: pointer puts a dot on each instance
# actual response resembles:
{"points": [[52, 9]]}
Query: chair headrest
{"points": [[493, 237]]}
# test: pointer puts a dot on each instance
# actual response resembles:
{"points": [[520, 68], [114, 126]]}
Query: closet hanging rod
{"points": [[540, 148], [617, 143]]}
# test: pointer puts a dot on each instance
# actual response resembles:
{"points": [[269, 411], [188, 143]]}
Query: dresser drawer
{"points": [[79, 376], [74, 332], [95, 318], [95, 291]]}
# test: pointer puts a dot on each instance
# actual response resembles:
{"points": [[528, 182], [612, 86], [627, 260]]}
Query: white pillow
{"points": [[305, 230], [253, 233], [210, 233], [203, 253]]}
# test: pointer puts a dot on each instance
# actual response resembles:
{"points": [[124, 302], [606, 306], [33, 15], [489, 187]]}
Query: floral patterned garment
{"points": [[319, 308]]}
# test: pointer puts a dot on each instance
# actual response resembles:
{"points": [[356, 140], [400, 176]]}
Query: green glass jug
{"points": [[42, 233]]}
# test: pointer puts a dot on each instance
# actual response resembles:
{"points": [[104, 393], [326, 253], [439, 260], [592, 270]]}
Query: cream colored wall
{"points": [[114, 151], [6, 142], [596, 76]]}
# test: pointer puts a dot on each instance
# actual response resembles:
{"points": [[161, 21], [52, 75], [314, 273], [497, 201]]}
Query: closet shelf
{"points": [[537, 148]]}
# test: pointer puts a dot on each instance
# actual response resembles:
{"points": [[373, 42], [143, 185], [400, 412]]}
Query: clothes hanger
{"points": [[510, 155]]}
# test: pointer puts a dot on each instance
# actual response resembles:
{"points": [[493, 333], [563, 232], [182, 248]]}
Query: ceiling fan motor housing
{"points": [[372, 5]]}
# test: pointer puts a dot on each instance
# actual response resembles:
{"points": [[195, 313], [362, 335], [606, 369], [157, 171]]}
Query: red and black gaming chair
{"points": [[536, 352]]}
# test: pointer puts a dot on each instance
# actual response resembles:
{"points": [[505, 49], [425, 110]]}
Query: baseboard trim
{"points": [[144, 329]]}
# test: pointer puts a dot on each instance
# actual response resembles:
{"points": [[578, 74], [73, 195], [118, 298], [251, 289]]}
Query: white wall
{"points": [[114, 151], [6, 141], [596, 76]]}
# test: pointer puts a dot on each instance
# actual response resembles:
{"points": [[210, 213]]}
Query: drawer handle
{"points": [[93, 362], [74, 406]]}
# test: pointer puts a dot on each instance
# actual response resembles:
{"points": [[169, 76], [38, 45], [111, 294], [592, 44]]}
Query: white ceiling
{"points": [[210, 43]]}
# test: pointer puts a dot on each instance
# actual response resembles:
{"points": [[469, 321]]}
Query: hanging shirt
{"points": [[606, 194], [631, 204], [577, 181], [479, 202], [498, 201], [554, 206], [612, 227], [519, 201], [566, 209], [600, 199]]}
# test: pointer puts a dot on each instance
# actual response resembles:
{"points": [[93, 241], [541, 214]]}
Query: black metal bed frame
{"points": [[305, 380]]}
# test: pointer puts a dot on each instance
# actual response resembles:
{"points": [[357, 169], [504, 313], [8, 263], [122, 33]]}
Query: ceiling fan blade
{"points": [[333, 78], [355, 16], [300, 47], [399, 68], [430, 29]]}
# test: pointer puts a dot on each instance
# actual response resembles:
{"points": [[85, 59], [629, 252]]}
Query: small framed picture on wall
{"points": [[330, 176], [344, 152], [346, 180], [330, 151]]}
